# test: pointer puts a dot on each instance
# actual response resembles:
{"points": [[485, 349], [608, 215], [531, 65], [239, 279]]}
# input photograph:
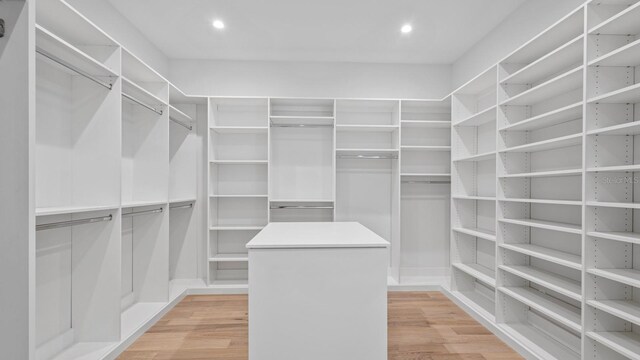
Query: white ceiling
{"points": [[320, 30]]}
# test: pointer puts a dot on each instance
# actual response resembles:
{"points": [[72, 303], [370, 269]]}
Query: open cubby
{"points": [[237, 212], [144, 83], [476, 294], [238, 146], [424, 163], [367, 112], [425, 112], [367, 139], [301, 211], [238, 179], [77, 141], [74, 286], [302, 108], [238, 113]]}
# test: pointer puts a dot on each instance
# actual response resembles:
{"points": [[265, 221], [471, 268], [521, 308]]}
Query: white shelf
{"points": [[86, 350], [555, 282], [477, 232], [620, 205], [306, 120], [141, 203], [182, 200], [550, 255], [54, 45], [629, 277], [626, 310], [623, 23], [623, 236], [550, 118], [177, 114], [564, 56], [628, 55], [630, 128], [229, 258], [131, 88], [425, 148], [626, 95], [479, 302], [240, 129], [367, 152], [545, 346], [479, 157], [545, 201], [366, 128], [562, 312], [239, 162], [425, 124], [62, 210], [239, 196], [484, 274], [480, 118], [555, 143], [624, 343], [426, 174], [620, 168], [239, 284], [478, 198], [236, 227], [553, 173], [560, 84], [544, 224]]}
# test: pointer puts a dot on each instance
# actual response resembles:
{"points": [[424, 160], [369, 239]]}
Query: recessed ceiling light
{"points": [[407, 28], [218, 24]]}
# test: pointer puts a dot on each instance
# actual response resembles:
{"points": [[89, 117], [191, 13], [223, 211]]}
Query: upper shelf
{"points": [[483, 117], [626, 95], [628, 55], [480, 83], [560, 84], [554, 117], [132, 89], [624, 23]]}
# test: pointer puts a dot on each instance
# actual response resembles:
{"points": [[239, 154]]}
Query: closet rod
{"points": [[177, 207], [425, 182], [73, 68], [301, 125], [60, 224], [300, 207], [144, 212], [185, 125], [142, 103], [373, 157]]}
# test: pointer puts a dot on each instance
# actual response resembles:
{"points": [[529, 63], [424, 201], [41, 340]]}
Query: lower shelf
{"points": [[545, 346], [563, 313], [480, 303], [479, 272], [86, 350], [624, 343]]}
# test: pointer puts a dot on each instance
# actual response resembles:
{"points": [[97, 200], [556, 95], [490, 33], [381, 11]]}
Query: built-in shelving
{"points": [[552, 281]]}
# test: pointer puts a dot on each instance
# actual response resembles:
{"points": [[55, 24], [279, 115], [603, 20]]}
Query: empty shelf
{"points": [[554, 117], [630, 128], [131, 88], [425, 148], [239, 162], [229, 258], [236, 227], [547, 225], [479, 157], [627, 310], [555, 282], [240, 129], [546, 201], [621, 205], [629, 277], [564, 56], [562, 312], [61, 210], [560, 84], [553, 173], [555, 143], [623, 236], [544, 345], [426, 124], [623, 23], [547, 254], [477, 232], [620, 168], [480, 118], [140, 203], [240, 196], [366, 128], [628, 55], [479, 302], [480, 198], [626, 95], [624, 343], [486, 275], [426, 174], [230, 284]]}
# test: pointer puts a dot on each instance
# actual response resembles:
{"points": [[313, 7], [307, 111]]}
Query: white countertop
{"points": [[316, 235]]}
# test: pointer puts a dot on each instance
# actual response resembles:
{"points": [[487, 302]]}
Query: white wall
{"points": [[524, 23], [310, 79], [105, 16]]}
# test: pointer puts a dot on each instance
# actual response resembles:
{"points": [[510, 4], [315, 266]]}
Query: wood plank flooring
{"points": [[422, 326]]}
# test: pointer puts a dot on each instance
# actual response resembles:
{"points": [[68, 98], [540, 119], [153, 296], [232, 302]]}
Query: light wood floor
{"points": [[422, 326]]}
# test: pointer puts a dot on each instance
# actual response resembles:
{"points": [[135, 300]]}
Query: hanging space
{"points": [[77, 198], [612, 221], [301, 159], [473, 192], [540, 190], [238, 185], [425, 191]]}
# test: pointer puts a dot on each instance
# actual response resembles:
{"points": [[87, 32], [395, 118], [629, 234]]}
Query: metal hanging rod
{"points": [[61, 224], [183, 124], [144, 212], [426, 182], [177, 207], [73, 68], [273, 207], [142, 103], [302, 125], [369, 157]]}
